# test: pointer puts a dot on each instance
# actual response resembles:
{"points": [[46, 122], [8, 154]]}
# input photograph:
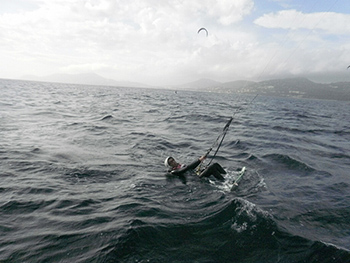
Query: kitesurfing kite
{"points": [[203, 29], [348, 67]]}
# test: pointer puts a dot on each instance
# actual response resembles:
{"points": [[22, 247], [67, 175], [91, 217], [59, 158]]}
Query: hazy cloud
{"points": [[157, 42], [329, 23]]}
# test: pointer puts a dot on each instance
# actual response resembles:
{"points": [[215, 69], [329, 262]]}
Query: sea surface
{"points": [[83, 178]]}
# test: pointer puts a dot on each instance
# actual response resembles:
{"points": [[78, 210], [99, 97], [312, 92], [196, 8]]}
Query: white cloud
{"points": [[78, 68], [142, 35], [328, 22], [229, 12], [156, 41], [308, 42]]}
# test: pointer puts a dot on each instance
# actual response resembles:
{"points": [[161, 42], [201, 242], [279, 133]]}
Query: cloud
{"points": [[143, 35], [156, 42], [308, 42], [78, 68], [229, 12], [123, 18], [327, 22]]}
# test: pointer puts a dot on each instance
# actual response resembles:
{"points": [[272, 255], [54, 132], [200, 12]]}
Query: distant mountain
{"points": [[291, 87], [84, 78], [238, 84], [301, 88], [200, 84]]}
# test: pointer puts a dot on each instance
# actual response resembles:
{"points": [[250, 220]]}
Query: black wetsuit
{"points": [[215, 169]]}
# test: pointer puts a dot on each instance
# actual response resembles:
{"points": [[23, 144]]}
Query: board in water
{"points": [[240, 175]]}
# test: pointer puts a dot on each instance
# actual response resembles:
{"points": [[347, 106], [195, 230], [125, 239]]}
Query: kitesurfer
{"points": [[176, 168]]}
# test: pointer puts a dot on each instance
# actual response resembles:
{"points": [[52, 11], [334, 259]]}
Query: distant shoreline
{"points": [[288, 87]]}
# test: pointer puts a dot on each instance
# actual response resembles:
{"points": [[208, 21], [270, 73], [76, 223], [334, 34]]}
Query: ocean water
{"points": [[83, 180]]}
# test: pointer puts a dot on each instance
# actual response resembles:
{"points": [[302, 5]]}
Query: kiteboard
{"points": [[239, 177]]}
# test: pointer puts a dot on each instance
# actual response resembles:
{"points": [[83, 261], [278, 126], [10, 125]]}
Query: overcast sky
{"points": [[156, 41]]}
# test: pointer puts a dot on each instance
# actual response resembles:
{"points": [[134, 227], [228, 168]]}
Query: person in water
{"points": [[176, 168]]}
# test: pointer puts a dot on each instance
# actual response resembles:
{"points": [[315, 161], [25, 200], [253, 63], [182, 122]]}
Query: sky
{"points": [[155, 42]]}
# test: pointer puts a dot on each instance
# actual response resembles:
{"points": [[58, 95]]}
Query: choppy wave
{"points": [[228, 234]]}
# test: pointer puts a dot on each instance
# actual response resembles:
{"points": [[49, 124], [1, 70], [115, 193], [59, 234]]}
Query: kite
{"points": [[203, 29]]}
